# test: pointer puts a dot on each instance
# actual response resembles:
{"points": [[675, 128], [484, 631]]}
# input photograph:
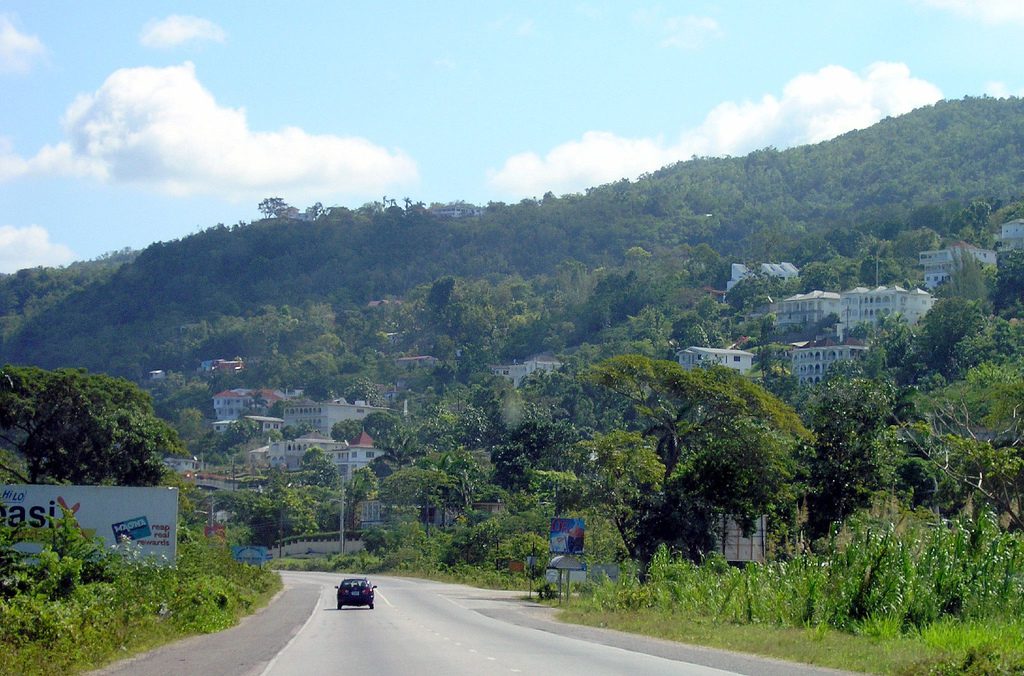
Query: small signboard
{"points": [[566, 536], [251, 554], [145, 517]]}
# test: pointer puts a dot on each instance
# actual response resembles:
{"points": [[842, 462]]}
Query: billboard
{"points": [[251, 554], [148, 517], [566, 536]]}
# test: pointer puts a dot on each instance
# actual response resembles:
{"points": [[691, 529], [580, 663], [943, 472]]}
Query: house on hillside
{"points": [[360, 453], [780, 270], [517, 371], [810, 361], [940, 265], [1011, 235], [863, 305], [229, 404], [322, 415], [805, 309], [266, 423], [287, 453], [418, 361], [211, 366], [703, 357]]}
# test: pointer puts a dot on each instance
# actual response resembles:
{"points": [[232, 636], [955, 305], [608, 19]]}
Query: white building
{"points": [[1011, 235], [780, 270], [360, 452], [811, 361], [870, 305], [939, 265], [805, 309], [287, 453], [323, 415], [516, 371], [182, 464], [266, 423], [347, 456], [229, 404], [704, 357]]}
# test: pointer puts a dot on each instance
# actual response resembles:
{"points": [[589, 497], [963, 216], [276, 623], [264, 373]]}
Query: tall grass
{"points": [[873, 580]]}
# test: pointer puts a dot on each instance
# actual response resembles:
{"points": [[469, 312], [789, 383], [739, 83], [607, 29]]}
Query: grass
{"points": [[816, 646]]}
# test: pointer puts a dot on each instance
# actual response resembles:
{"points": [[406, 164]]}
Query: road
{"points": [[426, 628]]}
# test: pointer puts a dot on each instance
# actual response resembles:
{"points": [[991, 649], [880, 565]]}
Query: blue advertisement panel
{"points": [[566, 536], [251, 554]]}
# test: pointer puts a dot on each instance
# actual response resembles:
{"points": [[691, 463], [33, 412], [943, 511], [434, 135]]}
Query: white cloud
{"points": [[1001, 90], [29, 247], [986, 11], [17, 50], [679, 32], [176, 30], [813, 107], [160, 128]]}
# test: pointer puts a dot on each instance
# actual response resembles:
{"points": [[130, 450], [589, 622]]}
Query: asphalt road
{"points": [[425, 628]]}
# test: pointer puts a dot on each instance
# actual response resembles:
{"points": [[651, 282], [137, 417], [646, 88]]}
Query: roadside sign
{"points": [[145, 517], [252, 554], [566, 536]]}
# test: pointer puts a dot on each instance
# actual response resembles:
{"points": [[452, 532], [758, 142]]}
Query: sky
{"points": [[124, 124]]}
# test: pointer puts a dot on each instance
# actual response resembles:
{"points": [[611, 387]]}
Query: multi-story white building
{"points": [[939, 265], [870, 305], [1011, 235], [347, 456], [229, 404], [805, 309], [703, 357], [323, 415], [780, 270], [811, 361], [360, 453], [517, 371]]}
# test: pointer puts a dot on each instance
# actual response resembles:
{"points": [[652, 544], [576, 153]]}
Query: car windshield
{"points": [[354, 583]]}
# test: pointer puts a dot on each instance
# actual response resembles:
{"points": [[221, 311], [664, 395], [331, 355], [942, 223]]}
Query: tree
{"points": [[361, 486], [346, 430], [1008, 296], [416, 487], [950, 321], [853, 454], [318, 468], [70, 426], [724, 442], [624, 473], [273, 207]]}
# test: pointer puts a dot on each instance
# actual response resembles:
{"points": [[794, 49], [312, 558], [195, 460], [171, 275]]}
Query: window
{"points": [[736, 358]]}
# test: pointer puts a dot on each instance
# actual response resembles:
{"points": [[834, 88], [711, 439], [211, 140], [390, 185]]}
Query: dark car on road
{"points": [[355, 591]]}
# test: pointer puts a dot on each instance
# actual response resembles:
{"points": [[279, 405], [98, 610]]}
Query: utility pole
{"points": [[341, 519]]}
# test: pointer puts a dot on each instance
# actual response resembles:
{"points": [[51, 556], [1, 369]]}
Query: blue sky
{"points": [[128, 123]]}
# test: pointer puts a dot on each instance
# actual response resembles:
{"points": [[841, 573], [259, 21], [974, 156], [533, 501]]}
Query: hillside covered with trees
{"points": [[838, 209]]}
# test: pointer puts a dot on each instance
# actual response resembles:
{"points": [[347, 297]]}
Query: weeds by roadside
{"points": [[77, 606]]}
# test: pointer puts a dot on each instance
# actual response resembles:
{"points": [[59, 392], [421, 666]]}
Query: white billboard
{"points": [[148, 517]]}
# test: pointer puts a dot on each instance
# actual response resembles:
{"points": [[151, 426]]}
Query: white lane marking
{"points": [[390, 605], [312, 614], [492, 659]]}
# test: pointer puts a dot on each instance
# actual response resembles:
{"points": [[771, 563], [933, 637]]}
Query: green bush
{"points": [[75, 606]]}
